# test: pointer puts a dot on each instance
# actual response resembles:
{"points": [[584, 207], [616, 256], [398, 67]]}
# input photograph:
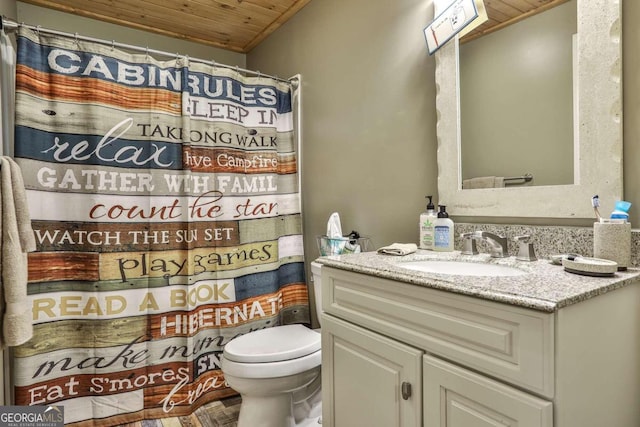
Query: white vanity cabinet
{"points": [[397, 354]]}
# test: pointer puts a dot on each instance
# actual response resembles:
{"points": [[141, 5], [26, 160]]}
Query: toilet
{"points": [[277, 372]]}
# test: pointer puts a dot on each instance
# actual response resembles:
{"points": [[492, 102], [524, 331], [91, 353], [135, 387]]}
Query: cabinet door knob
{"points": [[406, 390]]}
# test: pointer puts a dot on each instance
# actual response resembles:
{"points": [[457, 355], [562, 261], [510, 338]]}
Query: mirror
{"points": [[598, 130], [529, 60]]}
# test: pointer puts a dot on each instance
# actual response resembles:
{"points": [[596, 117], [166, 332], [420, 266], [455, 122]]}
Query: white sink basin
{"points": [[462, 268]]}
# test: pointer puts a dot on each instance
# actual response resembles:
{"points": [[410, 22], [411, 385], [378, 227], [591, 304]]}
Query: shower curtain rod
{"points": [[10, 24]]}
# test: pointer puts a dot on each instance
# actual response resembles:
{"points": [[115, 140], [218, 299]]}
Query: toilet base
{"points": [[298, 406], [252, 415]]}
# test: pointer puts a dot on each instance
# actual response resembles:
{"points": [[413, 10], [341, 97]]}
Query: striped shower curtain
{"points": [[164, 198]]}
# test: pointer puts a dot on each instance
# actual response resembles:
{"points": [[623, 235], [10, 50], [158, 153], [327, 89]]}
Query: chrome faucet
{"points": [[497, 244]]}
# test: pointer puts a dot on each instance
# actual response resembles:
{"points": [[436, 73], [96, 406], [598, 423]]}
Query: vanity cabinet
{"points": [[398, 354]]}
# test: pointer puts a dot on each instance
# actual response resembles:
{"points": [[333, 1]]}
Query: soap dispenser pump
{"points": [[426, 226], [443, 231]]}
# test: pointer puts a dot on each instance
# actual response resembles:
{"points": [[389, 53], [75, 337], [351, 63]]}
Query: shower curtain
{"points": [[164, 198]]}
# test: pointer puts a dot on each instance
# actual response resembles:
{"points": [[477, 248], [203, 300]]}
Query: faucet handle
{"points": [[469, 246], [526, 251]]}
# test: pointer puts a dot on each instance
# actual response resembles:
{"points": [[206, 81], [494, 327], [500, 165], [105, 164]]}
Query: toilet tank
{"points": [[316, 270]]}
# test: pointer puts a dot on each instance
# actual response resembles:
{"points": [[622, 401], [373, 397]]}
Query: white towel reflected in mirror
{"points": [[483, 182]]}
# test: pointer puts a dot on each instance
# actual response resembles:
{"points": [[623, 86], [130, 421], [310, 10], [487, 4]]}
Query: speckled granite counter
{"points": [[545, 287]]}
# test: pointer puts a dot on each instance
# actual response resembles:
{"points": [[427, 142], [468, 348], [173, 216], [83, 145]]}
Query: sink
{"points": [[462, 268]]}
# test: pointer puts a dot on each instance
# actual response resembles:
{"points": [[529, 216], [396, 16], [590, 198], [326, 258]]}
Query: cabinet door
{"points": [[456, 397], [368, 380]]}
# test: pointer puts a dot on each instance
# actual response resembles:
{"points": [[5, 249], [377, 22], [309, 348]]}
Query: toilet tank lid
{"points": [[273, 344]]}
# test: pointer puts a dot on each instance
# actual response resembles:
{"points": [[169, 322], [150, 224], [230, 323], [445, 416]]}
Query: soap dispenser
{"points": [[443, 231], [427, 221]]}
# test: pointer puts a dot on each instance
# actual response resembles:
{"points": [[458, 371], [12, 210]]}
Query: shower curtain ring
{"points": [[76, 37], [38, 30]]}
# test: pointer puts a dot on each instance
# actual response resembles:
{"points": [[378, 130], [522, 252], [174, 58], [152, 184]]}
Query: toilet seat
{"points": [[273, 352], [275, 344], [268, 370]]}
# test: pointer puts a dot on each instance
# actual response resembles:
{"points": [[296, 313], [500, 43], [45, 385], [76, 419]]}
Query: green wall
{"points": [[369, 135]]}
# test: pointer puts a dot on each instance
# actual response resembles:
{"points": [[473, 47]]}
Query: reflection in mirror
{"points": [[529, 64], [598, 130]]}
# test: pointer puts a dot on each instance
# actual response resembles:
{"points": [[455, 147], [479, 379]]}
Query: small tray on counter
{"points": [[589, 266]]}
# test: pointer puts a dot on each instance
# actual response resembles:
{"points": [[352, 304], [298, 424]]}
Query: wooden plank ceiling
{"points": [[235, 25], [502, 13], [240, 25]]}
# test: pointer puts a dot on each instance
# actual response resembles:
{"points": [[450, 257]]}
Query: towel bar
{"points": [[525, 178]]}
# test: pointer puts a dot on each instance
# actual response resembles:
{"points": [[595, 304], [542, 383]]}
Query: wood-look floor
{"points": [[222, 413]]}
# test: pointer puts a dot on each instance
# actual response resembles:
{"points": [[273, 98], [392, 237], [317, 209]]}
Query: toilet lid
{"points": [[273, 344]]}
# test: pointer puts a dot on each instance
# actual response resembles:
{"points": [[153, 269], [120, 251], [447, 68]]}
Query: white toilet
{"points": [[277, 372]]}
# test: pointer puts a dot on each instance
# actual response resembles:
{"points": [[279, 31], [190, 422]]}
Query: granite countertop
{"points": [[545, 287]]}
